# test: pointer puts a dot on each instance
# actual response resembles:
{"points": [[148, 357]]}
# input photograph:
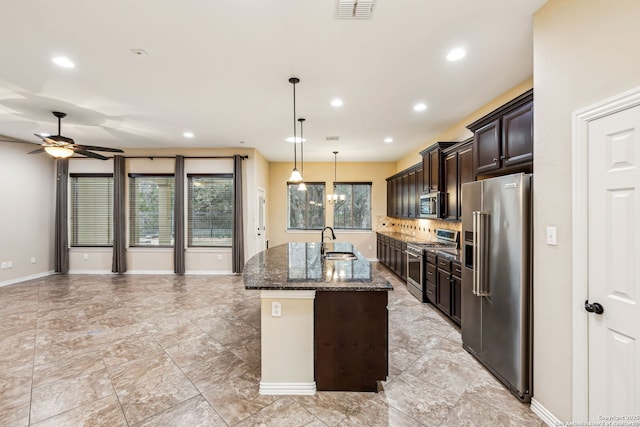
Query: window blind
{"points": [[210, 212], [151, 199], [91, 219]]}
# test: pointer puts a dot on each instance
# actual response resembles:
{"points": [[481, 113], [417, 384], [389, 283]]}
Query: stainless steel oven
{"points": [[415, 270]]}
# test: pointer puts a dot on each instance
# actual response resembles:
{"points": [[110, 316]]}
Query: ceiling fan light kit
{"points": [[61, 147]]}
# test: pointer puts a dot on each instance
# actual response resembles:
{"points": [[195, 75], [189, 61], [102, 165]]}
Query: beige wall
{"points": [[584, 51], [459, 131], [324, 172], [27, 188]]}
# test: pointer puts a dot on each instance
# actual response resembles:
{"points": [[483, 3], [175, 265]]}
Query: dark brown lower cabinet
{"points": [[351, 351], [446, 290], [443, 298], [456, 296]]}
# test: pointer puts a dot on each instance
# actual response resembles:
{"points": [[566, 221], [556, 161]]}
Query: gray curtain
{"points": [[61, 250], [178, 206], [237, 246], [119, 263]]}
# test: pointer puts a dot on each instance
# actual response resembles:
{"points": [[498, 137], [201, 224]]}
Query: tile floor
{"points": [[86, 350]]}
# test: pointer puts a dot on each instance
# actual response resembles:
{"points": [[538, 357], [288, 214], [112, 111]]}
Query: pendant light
{"points": [[302, 186], [295, 177], [335, 197]]}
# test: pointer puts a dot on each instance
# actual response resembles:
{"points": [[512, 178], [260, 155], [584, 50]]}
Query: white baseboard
{"points": [[150, 272], [544, 414], [90, 272], [25, 278], [209, 272], [288, 388]]}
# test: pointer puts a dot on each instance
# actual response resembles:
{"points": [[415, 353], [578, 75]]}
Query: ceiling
{"points": [[220, 69]]}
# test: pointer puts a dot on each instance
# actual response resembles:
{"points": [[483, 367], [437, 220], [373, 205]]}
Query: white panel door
{"points": [[261, 222], [614, 264]]}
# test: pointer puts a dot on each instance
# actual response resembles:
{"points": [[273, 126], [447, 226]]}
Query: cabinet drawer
{"points": [[444, 264], [431, 258], [456, 269], [431, 273], [431, 292]]}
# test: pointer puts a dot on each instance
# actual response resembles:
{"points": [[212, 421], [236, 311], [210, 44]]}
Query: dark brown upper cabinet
{"points": [[403, 192], [433, 167], [503, 139], [458, 170]]}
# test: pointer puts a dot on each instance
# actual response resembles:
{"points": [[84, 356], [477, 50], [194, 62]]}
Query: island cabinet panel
{"points": [[351, 340]]}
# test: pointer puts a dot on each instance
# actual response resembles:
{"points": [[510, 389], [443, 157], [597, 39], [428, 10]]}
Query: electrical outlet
{"points": [[219, 257], [9, 264], [85, 257], [33, 260], [276, 309], [4, 265], [369, 247]]}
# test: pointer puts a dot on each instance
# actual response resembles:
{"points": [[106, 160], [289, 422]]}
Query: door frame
{"points": [[580, 239], [260, 190]]}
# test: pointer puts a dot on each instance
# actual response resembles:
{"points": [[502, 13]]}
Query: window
{"points": [[210, 215], [91, 210], [151, 200], [306, 208], [354, 212]]}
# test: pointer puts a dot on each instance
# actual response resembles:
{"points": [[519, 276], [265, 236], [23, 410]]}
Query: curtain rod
{"points": [[170, 157]]}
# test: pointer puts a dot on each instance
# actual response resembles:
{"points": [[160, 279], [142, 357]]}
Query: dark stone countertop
{"points": [[299, 266], [451, 254]]}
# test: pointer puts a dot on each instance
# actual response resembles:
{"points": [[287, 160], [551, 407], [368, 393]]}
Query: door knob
{"points": [[596, 308]]}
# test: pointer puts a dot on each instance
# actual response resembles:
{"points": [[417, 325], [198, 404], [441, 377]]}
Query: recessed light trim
{"points": [[63, 61], [388, 140], [456, 54], [337, 102], [188, 134], [421, 106]]}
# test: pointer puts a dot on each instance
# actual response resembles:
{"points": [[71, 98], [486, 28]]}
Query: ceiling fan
{"points": [[61, 147]]}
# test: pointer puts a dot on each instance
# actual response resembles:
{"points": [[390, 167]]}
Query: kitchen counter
{"points": [[451, 254], [305, 325], [300, 266]]}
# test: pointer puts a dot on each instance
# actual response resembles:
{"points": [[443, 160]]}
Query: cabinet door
{"points": [[434, 171], [451, 186], [487, 147], [397, 183], [465, 173], [517, 136], [390, 198], [411, 197], [404, 213], [443, 292], [456, 299], [426, 175], [403, 261]]}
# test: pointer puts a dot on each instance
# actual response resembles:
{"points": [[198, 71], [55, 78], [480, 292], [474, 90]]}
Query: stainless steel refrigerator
{"points": [[496, 278]]}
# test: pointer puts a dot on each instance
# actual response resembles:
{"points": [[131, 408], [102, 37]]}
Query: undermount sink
{"points": [[339, 256]]}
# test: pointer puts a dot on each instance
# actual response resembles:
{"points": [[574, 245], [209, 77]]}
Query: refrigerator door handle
{"points": [[482, 269], [474, 285]]}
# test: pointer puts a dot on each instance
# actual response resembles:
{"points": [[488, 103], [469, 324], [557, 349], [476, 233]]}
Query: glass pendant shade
{"points": [[295, 177], [59, 152]]}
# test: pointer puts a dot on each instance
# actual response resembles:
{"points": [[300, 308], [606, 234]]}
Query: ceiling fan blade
{"points": [[60, 138], [90, 154], [39, 150], [91, 147]]}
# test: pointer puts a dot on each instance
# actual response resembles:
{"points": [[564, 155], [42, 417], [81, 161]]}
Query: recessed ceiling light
{"points": [[337, 102], [63, 62], [420, 107], [456, 54], [44, 134], [188, 134], [388, 140]]}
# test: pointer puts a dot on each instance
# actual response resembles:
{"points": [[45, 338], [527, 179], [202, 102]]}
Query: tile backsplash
{"points": [[422, 229]]}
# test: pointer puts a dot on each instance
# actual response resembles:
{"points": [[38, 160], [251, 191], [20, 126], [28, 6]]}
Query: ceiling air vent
{"points": [[354, 9], [333, 138]]}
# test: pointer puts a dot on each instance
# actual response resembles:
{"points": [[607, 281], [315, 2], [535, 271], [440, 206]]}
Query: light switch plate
{"points": [[552, 236]]}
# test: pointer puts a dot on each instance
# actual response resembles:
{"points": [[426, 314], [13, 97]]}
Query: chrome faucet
{"points": [[333, 237]]}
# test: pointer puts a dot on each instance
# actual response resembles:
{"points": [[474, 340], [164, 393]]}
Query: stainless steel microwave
{"points": [[431, 205]]}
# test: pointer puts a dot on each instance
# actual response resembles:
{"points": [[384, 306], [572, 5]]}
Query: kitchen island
{"points": [[324, 322]]}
